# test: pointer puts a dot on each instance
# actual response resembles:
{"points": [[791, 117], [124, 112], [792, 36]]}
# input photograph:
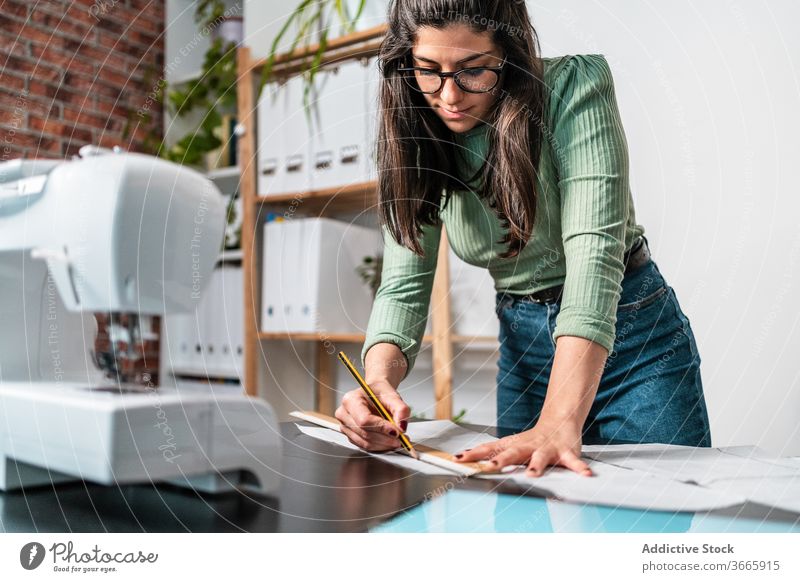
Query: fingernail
{"points": [[393, 433], [495, 463], [403, 425], [459, 455]]}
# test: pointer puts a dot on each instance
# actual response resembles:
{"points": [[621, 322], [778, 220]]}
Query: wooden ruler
{"points": [[426, 453]]}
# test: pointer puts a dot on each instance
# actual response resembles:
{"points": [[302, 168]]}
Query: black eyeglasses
{"points": [[471, 80]]}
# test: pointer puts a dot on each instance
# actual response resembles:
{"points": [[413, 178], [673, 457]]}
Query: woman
{"points": [[524, 161]]}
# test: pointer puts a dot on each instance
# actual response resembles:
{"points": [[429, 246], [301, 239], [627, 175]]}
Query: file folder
{"points": [[310, 281], [295, 132], [338, 126], [272, 110]]}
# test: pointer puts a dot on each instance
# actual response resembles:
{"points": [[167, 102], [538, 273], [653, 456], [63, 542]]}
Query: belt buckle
{"points": [[530, 298], [550, 296]]}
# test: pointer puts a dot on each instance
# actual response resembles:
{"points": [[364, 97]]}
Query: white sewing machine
{"points": [[116, 233]]}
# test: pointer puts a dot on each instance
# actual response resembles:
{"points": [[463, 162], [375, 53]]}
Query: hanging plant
{"points": [[312, 19]]}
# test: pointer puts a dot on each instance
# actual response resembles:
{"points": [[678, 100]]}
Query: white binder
{"points": [[305, 278], [209, 341], [323, 140], [338, 126], [236, 320], [296, 149], [291, 261], [272, 109], [310, 282], [229, 330], [280, 275], [272, 277], [208, 324], [181, 338], [335, 299]]}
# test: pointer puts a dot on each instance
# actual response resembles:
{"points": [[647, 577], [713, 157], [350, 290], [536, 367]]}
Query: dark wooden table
{"points": [[325, 489]]}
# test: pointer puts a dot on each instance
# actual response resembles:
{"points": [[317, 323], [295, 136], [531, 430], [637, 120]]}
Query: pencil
{"points": [[404, 440]]}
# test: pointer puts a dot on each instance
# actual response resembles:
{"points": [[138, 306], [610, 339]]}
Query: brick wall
{"points": [[81, 72], [74, 72]]}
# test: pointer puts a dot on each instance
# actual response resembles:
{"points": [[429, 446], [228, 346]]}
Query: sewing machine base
{"points": [[51, 433]]}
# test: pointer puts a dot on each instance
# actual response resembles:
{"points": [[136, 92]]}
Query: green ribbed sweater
{"points": [[584, 224]]}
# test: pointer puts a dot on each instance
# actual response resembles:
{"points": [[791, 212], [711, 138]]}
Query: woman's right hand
{"points": [[364, 426]]}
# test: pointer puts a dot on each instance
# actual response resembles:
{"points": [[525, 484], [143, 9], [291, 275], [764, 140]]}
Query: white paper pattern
{"points": [[611, 485]]}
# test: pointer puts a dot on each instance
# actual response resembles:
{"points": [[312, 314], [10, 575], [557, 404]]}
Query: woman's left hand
{"points": [[550, 442]]}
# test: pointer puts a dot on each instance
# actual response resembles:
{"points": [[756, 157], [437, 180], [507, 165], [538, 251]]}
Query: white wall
{"points": [[709, 96], [710, 100]]}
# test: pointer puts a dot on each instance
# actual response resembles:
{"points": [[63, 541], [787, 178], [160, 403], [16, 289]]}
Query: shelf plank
{"points": [[226, 179], [337, 48], [231, 256], [354, 197], [355, 338], [475, 339], [312, 336], [223, 173], [205, 373]]}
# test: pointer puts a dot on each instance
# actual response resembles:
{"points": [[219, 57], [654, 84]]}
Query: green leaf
{"points": [[341, 10], [266, 71], [313, 70], [360, 11], [208, 11], [460, 416]]}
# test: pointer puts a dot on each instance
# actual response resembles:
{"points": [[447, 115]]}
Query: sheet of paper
{"points": [[780, 492], [446, 436], [612, 485], [691, 464], [619, 487]]}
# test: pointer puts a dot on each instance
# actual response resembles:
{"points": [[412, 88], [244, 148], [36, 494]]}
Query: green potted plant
{"points": [[213, 92]]}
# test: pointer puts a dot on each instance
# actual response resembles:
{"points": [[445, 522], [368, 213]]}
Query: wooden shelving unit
{"points": [[363, 44]]}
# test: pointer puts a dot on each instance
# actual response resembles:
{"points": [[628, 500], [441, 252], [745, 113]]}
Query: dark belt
{"points": [[636, 257]]}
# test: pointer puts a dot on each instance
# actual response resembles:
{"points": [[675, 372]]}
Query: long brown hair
{"points": [[415, 152]]}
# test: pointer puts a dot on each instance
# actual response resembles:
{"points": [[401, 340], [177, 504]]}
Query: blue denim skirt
{"points": [[650, 390]]}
